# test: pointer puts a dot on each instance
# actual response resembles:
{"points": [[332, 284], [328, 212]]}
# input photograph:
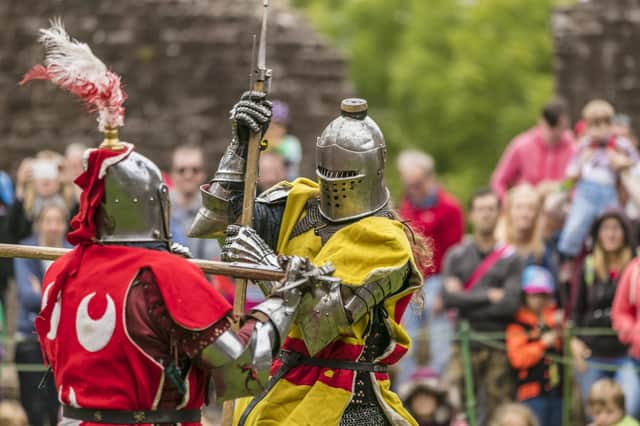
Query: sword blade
{"points": [[262, 47]]}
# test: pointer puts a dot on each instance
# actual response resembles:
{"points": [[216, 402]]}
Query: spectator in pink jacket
{"points": [[540, 154], [625, 311]]}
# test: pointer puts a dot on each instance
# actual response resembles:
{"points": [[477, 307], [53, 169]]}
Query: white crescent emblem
{"points": [[45, 295], [94, 335], [55, 314], [55, 320], [72, 398]]}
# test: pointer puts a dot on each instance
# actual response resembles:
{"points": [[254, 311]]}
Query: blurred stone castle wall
{"points": [[597, 54], [184, 63]]}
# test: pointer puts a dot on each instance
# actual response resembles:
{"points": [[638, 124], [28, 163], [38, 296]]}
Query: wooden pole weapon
{"points": [[234, 269], [260, 78]]}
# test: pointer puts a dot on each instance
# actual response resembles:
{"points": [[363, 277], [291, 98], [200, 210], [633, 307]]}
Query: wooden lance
{"points": [[261, 77], [233, 269]]}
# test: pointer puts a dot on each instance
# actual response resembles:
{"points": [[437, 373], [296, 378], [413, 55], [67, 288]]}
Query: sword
{"points": [[233, 269]]}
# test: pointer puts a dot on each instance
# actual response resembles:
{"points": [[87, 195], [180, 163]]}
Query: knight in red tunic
{"points": [[134, 333]]}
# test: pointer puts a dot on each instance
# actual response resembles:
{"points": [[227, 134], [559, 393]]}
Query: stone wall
{"points": [[597, 54], [184, 64]]}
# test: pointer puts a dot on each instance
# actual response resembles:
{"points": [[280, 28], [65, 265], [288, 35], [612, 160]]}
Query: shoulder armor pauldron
{"points": [[275, 194]]}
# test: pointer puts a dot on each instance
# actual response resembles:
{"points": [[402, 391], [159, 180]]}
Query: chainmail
{"points": [[323, 228], [364, 409], [363, 415], [267, 218]]}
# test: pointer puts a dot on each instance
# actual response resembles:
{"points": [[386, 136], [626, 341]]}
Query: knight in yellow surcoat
{"points": [[333, 365]]}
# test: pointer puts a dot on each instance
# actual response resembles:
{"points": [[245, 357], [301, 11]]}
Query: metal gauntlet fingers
{"points": [[251, 114], [243, 244]]}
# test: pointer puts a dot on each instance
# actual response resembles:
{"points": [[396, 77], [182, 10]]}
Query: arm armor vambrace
{"points": [[241, 369], [361, 300], [220, 197], [330, 309]]}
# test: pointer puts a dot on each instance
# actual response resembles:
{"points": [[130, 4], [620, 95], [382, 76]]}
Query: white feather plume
{"points": [[70, 59], [72, 65]]}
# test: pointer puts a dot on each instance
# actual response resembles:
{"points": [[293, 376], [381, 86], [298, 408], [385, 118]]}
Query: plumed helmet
{"points": [[350, 160], [135, 206]]}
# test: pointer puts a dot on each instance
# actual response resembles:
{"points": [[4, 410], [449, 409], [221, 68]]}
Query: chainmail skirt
{"points": [[364, 415]]}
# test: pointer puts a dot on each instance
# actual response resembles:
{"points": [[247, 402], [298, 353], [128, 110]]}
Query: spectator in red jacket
{"points": [[540, 154], [436, 215], [431, 211]]}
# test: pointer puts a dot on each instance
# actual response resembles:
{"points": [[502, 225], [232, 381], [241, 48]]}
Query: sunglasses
{"points": [[193, 170], [599, 121]]}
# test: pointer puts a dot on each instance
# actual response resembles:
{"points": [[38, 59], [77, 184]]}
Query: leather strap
{"points": [[131, 417], [487, 263], [292, 359], [282, 371], [336, 364]]}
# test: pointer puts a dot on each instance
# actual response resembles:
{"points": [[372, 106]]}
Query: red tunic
{"points": [[88, 341]]}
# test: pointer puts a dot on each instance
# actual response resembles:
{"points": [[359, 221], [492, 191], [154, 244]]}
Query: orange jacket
{"points": [[537, 374]]}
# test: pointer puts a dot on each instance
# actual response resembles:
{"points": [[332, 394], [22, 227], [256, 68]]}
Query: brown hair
{"points": [[518, 409], [481, 193], [422, 251], [187, 147], [601, 260], [605, 391], [421, 247], [552, 111]]}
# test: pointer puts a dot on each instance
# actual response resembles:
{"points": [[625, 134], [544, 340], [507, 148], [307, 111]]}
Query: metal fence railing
{"points": [[465, 336], [495, 340]]}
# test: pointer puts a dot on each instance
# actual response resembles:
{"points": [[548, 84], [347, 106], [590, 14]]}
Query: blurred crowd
{"points": [[551, 241]]}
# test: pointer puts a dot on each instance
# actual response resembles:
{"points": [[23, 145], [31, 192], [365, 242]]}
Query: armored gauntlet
{"points": [[241, 369], [222, 196]]}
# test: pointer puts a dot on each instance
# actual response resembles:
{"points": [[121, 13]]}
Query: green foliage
{"points": [[456, 78]]}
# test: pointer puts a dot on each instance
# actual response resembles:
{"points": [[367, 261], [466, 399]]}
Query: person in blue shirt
{"points": [[49, 230], [187, 174]]}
